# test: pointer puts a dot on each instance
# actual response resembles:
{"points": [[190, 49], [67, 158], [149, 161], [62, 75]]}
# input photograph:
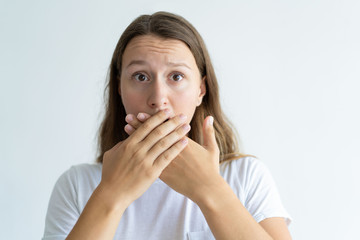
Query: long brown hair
{"points": [[167, 25]]}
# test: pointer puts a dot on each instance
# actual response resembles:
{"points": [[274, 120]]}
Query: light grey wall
{"points": [[289, 74]]}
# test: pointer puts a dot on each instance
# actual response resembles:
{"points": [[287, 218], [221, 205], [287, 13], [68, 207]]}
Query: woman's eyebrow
{"points": [[137, 62], [172, 64], [179, 64]]}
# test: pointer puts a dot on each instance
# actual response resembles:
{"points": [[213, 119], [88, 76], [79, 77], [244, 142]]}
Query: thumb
{"points": [[209, 134]]}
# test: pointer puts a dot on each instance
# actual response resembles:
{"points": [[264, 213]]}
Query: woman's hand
{"points": [[196, 169], [131, 166]]}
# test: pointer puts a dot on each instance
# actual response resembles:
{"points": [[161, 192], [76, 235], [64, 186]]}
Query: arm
{"points": [[129, 169], [276, 227], [100, 218], [229, 219]]}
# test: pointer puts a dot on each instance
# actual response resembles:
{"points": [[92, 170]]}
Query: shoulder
{"points": [[73, 188], [254, 185], [243, 168], [79, 175], [84, 169], [248, 173], [68, 198]]}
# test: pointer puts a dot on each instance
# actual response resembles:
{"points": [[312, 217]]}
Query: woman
{"points": [[169, 166]]}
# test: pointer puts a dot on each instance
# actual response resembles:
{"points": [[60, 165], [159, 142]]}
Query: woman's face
{"points": [[159, 74]]}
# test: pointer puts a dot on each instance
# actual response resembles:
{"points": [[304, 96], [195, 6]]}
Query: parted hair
{"points": [[172, 26]]}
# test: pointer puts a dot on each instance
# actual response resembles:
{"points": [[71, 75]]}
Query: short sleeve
{"points": [[63, 211], [262, 198]]}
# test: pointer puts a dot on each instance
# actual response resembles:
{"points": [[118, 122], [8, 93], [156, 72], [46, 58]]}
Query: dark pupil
{"points": [[176, 77], [142, 77]]}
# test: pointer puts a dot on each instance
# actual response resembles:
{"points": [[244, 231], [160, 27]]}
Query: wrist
{"points": [[208, 195], [110, 203]]}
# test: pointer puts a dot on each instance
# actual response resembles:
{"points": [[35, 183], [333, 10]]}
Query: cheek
{"points": [[185, 103], [131, 97], [132, 101]]}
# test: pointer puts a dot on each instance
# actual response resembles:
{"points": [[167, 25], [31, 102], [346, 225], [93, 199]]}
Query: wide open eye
{"points": [[140, 77], [177, 77]]}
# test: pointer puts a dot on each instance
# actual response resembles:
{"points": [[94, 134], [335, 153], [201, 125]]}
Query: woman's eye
{"points": [[140, 77], [177, 77]]}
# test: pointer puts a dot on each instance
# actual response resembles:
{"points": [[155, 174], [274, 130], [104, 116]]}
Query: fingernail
{"points": [[184, 141], [141, 116], [167, 111], [128, 128], [129, 118], [182, 117], [211, 120], [186, 127]]}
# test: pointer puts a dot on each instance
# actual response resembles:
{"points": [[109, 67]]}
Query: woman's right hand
{"points": [[131, 166]]}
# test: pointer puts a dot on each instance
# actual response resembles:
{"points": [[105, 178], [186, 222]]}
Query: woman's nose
{"points": [[158, 96]]}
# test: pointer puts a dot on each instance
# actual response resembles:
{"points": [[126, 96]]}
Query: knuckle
{"points": [[166, 156], [147, 126], [139, 155], [149, 173], [162, 144], [128, 146], [159, 132], [135, 123]]}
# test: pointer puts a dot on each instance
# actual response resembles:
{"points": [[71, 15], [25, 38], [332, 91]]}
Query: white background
{"points": [[289, 74]]}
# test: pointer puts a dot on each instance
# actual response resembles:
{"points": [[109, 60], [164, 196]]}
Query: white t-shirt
{"points": [[162, 213]]}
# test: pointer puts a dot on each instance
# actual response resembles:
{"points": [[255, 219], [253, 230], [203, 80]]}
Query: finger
{"points": [[166, 157], [168, 141], [133, 121], [165, 129], [148, 126], [209, 134], [143, 117], [156, 144], [129, 129]]}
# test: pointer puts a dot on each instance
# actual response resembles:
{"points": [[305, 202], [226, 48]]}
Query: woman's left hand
{"points": [[196, 169]]}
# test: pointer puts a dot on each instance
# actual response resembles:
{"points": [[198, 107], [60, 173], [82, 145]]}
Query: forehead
{"points": [[147, 47]]}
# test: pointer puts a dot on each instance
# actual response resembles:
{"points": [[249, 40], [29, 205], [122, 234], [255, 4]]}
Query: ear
{"points": [[202, 90]]}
